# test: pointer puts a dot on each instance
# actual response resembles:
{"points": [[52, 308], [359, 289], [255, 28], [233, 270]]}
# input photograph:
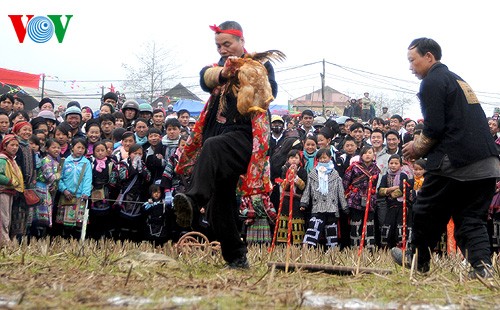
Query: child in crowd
{"points": [[93, 131], [117, 137], [132, 173], [155, 213], [75, 185], [171, 139], [42, 136], [344, 160], [292, 167], [122, 152], [392, 188], [173, 183], [35, 146], [155, 162], [46, 186], [62, 135], [356, 183], [104, 178], [324, 189], [418, 174], [11, 184], [310, 150]]}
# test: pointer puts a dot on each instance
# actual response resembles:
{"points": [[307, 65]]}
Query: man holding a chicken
{"points": [[229, 140]]}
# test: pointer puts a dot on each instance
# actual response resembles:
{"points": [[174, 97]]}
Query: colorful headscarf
{"points": [[5, 141], [17, 127]]}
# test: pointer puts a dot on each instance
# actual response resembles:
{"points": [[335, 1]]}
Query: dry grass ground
{"points": [[109, 275]]}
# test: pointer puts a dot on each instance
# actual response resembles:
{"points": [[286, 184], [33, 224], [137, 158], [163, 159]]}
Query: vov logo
{"points": [[40, 29]]}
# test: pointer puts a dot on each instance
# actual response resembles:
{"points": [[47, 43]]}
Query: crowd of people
{"points": [[151, 174], [119, 165], [122, 166]]}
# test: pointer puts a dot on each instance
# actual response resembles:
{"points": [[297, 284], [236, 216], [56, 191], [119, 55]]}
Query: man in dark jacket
{"points": [[225, 153], [462, 162]]}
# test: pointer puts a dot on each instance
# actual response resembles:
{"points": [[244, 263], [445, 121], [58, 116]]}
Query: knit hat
{"points": [[73, 110], [73, 104], [17, 127], [45, 100], [47, 115], [110, 95]]}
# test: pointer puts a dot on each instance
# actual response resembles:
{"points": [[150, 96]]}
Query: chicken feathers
{"points": [[249, 81]]}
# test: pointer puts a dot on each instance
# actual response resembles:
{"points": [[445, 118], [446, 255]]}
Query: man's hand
{"points": [[228, 70], [409, 151]]}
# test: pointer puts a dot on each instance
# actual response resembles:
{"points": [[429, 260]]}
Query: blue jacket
{"points": [[71, 174]]}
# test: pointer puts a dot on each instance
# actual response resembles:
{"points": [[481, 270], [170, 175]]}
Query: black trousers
{"points": [[467, 203], [222, 160]]}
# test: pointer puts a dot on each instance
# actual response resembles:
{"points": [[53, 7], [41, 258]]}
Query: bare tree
{"points": [[397, 102], [153, 72]]}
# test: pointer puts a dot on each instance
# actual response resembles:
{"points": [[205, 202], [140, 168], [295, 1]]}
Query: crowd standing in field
{"points": [[126, 177], [334, 179]]}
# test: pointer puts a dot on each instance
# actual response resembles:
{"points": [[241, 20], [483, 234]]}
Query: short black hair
{"points": [[356, 126], [7, 96], [326, 132], [81, 140], [398, 117], [183, 111], [118, 133], [91, 123], [323, 151], [152, 130], [36, 140], [307, 112], [106, 117], [378, 131], [349, 138], [421, 162], [426, 45], [172, 122], [392, 132], [395, 156]]}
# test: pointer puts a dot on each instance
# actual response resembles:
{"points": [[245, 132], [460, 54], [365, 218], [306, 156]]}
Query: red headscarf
{"points": [[5, 141], [17, 127], [234, 32]]}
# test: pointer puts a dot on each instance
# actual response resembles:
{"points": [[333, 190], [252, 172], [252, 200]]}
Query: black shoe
{"points": [[239, 263], [397, 257], [484, 271], [183, 209]]}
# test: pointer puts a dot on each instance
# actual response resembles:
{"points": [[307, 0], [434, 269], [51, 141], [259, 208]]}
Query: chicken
{"points": [[249, 82]]}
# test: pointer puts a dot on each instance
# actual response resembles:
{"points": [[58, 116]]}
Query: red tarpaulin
{"points": [[19, 78]]}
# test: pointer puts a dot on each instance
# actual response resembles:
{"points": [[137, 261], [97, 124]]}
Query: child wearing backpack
{"points": [[132, 173], [392, 187], [356, 184], [104, 178], [75, 186], [47, 181], [292, 167], [155, 213]]}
